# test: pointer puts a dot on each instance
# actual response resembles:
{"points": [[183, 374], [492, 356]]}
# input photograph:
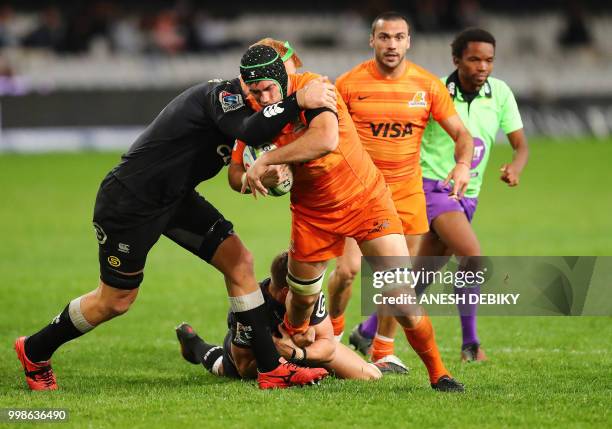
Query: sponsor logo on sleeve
{"points": [[273, 110], [230, 102]]}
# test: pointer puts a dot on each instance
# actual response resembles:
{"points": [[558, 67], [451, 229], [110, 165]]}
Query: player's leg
{"points": [[305, 280], [79, 317], [120, 276], [455, 231], [383, 342], [383, 350], [310, 250], [348, 365], [200, 228], [340, 284], [416, 324], [197, 351]]}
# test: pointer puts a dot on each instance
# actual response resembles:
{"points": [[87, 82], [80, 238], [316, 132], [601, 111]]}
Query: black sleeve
{"points": [[319, 312], [311, 114], [237, 120]]}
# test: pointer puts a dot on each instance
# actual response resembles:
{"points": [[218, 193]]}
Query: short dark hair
{"points": [[390, 16], [278, 270], [468, 35]]}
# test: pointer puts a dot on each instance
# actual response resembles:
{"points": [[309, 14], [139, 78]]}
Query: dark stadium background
{"points": [[88, 66]]}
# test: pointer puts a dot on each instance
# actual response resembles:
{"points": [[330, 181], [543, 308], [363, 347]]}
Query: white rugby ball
{"points": [[249, 156]]}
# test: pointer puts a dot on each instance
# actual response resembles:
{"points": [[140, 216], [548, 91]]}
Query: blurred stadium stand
{"points": [[105, 68]]}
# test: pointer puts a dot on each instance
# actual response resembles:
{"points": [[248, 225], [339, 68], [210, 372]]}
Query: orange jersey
{"points": [[335, 180], [391, 114]]}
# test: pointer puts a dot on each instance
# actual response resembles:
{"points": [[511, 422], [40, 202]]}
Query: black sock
{"points": [[209, 355], [255, 322], [40, 346]]}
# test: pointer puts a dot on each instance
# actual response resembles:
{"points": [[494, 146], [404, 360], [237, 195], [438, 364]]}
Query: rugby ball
{"points": [[249, 156]]}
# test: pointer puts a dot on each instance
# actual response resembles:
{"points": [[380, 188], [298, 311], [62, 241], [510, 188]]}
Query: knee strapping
{"points": [[305, 286]]}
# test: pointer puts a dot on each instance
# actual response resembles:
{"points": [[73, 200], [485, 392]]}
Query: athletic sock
{"points": [[338, 324], [66, 326], [467, 313], [423, 341], [250, 312], [368, 327], [381, 346], [292, 330], [211, 356]]}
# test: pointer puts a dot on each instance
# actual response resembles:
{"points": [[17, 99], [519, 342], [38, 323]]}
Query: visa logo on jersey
{"points": [[391, 129]]}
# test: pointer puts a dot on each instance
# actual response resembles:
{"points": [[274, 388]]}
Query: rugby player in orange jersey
{"points": [[390, 100], [337, 193]]}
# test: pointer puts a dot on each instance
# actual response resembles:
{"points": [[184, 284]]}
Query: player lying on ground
{"points": [[152, 193], [235, 358], [337, 193]]}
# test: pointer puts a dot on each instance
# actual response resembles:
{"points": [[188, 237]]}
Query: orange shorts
{"points": [[409, 200], [319, 236]]}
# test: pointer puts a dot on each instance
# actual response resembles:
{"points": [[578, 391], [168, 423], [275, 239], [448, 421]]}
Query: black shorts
{"points": [[127, 228]]}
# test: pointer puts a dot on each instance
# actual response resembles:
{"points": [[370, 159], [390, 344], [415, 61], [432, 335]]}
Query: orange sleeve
{"points": [[442, 106], [301, 79], [237, 152], [342, 87]]}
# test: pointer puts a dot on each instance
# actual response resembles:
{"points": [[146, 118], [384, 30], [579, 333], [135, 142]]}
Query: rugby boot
{"points": [[39, 375]]}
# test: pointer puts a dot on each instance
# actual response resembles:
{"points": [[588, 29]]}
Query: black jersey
{"points": [[276, 312], [191, 140]]}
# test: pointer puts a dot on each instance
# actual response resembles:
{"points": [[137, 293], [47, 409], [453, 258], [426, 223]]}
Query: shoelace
{"points": [[48, 378], [291, 365], [45, 375]]}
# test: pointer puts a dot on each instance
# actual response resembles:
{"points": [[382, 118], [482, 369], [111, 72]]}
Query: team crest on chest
{"points": [[419, 99]]}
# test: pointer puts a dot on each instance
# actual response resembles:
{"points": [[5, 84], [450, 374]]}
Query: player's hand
{"points": [[253, 178], [284, 344], [509, 174], [275, 175], [460, 176], [305, 339], [317, 93]]}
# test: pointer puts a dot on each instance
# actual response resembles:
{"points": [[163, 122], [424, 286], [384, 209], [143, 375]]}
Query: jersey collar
{"points": [[454, 87]]}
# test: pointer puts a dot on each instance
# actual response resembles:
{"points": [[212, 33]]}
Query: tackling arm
{"points": [[324, 347], [234, 176], [256, 128]]}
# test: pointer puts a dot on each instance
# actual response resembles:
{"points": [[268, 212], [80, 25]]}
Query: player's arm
{"points": [[320, 138], [236, 173], [464, 151], [320, 351], [256, 128], [324, 347], [510, 172], [236, 169]]}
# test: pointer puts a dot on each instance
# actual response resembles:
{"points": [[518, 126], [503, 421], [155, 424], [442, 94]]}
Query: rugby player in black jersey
{"points": [[150, 193], [235, 357]]}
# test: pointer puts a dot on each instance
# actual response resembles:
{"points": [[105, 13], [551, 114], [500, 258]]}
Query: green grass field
{"points": [[543, 372]]}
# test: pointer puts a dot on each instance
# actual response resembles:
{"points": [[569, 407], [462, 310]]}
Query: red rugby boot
{"points": [[39, 375], [288, 374]]}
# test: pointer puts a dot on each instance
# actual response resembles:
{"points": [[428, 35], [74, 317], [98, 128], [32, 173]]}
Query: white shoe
{"points": [[391, 364]]}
